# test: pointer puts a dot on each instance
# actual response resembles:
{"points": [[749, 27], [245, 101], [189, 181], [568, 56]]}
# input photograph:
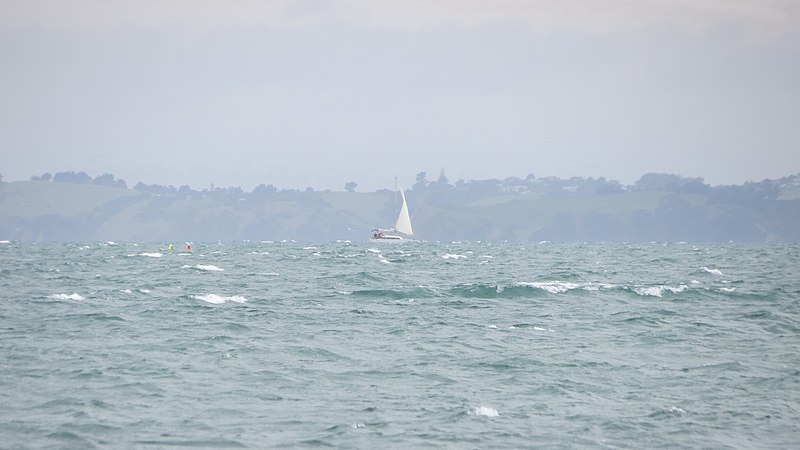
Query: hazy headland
{"points": [[71, 206]]}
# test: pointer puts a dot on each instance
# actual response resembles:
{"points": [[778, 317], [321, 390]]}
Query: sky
{"points": [[318, 93]]}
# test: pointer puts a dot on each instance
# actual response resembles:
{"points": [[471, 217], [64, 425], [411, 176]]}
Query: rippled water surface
{"points": [[420, 345]]}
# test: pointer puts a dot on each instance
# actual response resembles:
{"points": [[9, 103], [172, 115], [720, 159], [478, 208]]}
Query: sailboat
{"points": [[402, 227]]}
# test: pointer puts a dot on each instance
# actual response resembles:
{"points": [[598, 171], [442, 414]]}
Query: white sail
{"points": [[403, 224]]}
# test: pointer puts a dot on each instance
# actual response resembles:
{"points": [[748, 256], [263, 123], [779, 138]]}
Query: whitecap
{"points": [[208, 267], [487, 411], [598, 286], [658, 291], [711, 271], [66, 297], [152, 255], [5, 242], [553, 287], [454, 256], [654, 291], [373, 250], [126, 291], [218, 299], [727, 289]]}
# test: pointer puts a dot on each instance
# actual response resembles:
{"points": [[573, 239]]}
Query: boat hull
{"points": [[387, 238]]}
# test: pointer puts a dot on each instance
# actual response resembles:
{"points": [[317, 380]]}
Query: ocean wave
{"points": [[484, 290], [73, 296], [208, 267], [659, 290], [129, 291], [561, 287], [219, 299], [477, 290], [150, 255], [711, 271], [395, 294], [487, 411], [553, 287], [523, 289], [453, 256], [480, 290]]}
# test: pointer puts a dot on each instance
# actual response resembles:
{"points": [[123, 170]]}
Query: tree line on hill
{"points": [[658, 207], [552, 185]]}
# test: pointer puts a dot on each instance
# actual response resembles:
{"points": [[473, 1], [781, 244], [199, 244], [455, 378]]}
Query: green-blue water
{"points": [[417, 345]]}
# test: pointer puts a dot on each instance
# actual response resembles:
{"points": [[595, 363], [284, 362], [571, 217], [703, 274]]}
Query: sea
{"points": [[481, 345]]}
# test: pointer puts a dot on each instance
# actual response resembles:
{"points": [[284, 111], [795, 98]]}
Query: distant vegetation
{"points": [[70, 206]]}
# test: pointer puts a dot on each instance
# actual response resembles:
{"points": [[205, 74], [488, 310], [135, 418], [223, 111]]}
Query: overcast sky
{"points": [[317, 93]]}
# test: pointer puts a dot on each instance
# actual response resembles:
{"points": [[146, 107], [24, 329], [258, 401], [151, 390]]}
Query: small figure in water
{"points": [[188, 247], [170, 248]]}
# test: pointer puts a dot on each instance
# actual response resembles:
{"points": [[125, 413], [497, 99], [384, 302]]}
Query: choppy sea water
{"points": [[416, 345]]}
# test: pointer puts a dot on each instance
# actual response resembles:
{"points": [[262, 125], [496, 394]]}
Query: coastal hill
{"points": [[658, 207]]}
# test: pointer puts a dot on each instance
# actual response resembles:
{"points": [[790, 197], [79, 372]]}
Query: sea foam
{"points": [[487, 411], [453, 256], [553, 287], [218, 299], [66, 297], [711, 271], [658, 291]]}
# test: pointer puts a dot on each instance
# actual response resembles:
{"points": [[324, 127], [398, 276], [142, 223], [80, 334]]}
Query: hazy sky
{"points": [[317, 93]]}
